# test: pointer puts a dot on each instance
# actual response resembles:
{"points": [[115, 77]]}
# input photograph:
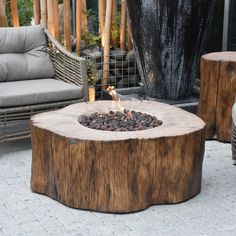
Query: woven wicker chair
{"points": [[233, 139], [14, 121]]}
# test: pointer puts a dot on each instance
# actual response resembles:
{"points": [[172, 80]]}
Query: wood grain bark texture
{"points": [[218, 88], [117, 171]]}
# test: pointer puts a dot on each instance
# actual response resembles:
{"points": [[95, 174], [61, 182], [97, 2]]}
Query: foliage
{"points": [[91, 39], [91, 36], [94, 75], [93, 19], [115, 28], [25, 8]]}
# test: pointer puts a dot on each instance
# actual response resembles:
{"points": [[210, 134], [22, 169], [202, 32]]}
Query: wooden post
{"points": [[123, 25], [102, 15], [130, 44], [78, 24], [3, 18], [36, 12], [56, 20], [14, 13], [43, 4], [50, 13], [107, 37], [67, 24], [114, 25]]}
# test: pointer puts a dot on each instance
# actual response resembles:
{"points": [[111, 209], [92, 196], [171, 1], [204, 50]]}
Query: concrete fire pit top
{"points": [[64, 122]]}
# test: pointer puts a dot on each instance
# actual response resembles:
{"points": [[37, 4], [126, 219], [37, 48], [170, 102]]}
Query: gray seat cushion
{"points": [[18, 93], [234, 114], [23, 54]]}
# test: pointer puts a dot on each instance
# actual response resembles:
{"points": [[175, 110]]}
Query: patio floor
{"points": [[212, 212]]}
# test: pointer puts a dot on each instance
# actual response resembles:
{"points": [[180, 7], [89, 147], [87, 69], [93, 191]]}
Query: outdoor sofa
{"points": [[36, 74], [233, 140]]}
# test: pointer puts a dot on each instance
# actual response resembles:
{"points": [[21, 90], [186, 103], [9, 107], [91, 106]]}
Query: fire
{"points": [[115, 97]]}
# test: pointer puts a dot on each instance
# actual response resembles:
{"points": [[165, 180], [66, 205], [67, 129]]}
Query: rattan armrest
{"points": [[68, 67]]}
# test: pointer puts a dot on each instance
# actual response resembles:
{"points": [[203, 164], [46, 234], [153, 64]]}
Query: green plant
{"points": [[91, 39], [115, 28], [25, 9], [90, 35], [93, 18], [94, 75]]}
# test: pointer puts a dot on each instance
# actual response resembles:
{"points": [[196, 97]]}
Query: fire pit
{"points": [[117, 171]]}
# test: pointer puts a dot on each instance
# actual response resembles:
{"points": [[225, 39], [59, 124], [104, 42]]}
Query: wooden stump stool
{"points": [[117, 171], [218, 86]]}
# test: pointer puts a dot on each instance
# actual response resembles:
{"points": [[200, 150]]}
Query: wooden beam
{"points": [[67, 24], [14, 13], [36, 4], [3, 18], [43, 4], [123, 25], [102, 15], [78, 24], [107, 37]]}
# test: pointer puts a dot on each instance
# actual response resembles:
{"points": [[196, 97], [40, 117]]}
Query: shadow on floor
{"points": [[13, 146]]}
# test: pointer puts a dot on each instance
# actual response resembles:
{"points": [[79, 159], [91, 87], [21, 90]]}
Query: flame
{"points": [[130, 114], [115, 97]]}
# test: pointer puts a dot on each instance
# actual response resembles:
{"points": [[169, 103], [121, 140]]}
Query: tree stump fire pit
{"points": [[117, 171]]}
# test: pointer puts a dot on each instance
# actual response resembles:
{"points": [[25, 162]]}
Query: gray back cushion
{"points": [[23, 54]]}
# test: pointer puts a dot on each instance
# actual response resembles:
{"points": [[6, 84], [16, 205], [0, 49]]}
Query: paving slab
{"points": [[212, 212]]}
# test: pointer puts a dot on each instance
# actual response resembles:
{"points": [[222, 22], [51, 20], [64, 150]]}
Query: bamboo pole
{"points": [[84, 16], [36, 4], [123, 25], [3, 18], [67, 24], [107, 38], [14, 13], [56, 20], [102, 14], [130, 44], [50, 14], [78, 24], [114, 24], [43, 8]]}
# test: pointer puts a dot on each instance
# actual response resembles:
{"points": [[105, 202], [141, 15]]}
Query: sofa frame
{"points": [[69, 68]]}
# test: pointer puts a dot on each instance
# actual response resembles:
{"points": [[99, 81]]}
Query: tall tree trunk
{"points": [[84, 15], [14, 13], [114, 25], [130, 44], [3, 18], [43, 4], [107, 38], [36, 12], [78, 24], [102, 15], [123, 25], [67, 24], [51, 19], [56, 20]]}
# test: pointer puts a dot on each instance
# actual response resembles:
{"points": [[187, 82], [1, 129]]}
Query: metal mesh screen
{"points": [[123, 72]]}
